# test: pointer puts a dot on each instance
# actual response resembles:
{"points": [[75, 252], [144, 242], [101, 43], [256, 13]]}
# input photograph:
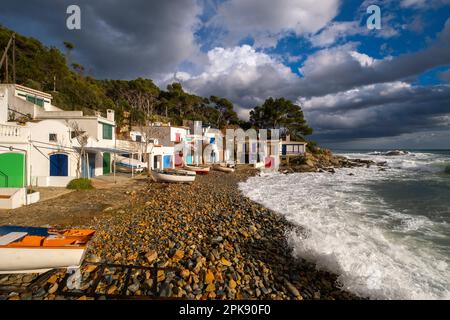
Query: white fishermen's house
{"points": [[38, 144], [292, 148], [165, 151], [146, 150]]}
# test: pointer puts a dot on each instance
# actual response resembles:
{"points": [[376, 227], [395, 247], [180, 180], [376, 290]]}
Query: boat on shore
{"points": [[127, 165], [180, 176], [259, 165], [198, 170], [38, 250], [224, 168]]}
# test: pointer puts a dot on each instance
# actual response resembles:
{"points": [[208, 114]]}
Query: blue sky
{"points": [[358, 87]]}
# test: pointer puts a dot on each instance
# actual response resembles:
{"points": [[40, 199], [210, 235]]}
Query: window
{"points": [[107, 131], [53, 137], [138, 138], [40, 102], [31, 99]]}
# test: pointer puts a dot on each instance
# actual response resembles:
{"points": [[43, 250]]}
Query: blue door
{"points": [[91, 161], [189, 159], [92, 164], [59, 165], [167, 163], [284, 149]]}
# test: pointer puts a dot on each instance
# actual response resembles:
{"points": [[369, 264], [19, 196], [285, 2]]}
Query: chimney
{"points": [[288, 138], [110, 115]]}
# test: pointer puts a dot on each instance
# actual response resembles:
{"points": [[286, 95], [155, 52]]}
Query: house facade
{"points": [[44, 137], [290, 148], [144, 145]]}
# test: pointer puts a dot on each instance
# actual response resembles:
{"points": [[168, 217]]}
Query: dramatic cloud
{"points": [[118, 39], [266, 20], [243, 75], [380, 110], [335, 31], [318, 53], [342, 68], [423, 3], [445, 76]]}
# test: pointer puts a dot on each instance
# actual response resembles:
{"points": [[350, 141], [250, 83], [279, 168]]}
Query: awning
{"points": [[109, 150]]}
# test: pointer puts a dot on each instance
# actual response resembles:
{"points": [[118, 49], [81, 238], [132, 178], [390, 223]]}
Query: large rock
{"points": [[310, 163]]}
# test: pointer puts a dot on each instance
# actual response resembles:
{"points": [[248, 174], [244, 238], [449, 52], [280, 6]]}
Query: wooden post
{"points": [[6, 69], [14, 57]]}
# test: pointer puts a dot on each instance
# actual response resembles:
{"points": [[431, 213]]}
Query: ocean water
{"points": [[385, 233]]}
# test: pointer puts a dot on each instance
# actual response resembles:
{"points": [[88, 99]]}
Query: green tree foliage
{"points": [[226, 113], [41, 68], [280, 114]]}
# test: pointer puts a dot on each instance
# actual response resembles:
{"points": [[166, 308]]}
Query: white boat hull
{"points": [[161, 177], [198, 170], [38, 260], [224, 169], [259, 165], [124, 169]]}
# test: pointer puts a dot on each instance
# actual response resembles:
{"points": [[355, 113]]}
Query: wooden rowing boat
{"points": [[198, 170], [180, 176], [37, 250], [224, 168]]}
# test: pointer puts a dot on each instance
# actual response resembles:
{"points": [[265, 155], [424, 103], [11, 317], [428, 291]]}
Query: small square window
{"points": [[53, 137]]}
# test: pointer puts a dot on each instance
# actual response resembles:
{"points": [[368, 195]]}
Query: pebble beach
{"points": [[207, 240]]}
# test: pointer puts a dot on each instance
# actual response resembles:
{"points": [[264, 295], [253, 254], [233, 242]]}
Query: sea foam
{"points": [[348, 233]]}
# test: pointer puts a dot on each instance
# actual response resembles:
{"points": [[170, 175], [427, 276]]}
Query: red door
{"points": [[177, 137]]}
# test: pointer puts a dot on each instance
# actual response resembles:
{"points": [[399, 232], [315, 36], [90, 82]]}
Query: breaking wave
{"points": [[378, 248]]}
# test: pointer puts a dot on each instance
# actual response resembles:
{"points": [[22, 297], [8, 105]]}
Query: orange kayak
{"points": [[35, 250]]}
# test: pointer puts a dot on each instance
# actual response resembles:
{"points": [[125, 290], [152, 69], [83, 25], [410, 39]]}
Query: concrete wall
{"points": [[160, 152], [16, 198], [173, 133]]}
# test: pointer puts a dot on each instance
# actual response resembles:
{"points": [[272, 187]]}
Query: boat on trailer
{"points": [[38, 250], [197, 169], [181, 176]]}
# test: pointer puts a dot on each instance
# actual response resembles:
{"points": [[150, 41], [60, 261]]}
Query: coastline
{"points": [[218, 243]]}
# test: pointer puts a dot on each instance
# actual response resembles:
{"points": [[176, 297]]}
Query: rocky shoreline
{"points": [[207, 239], [325, 161]]}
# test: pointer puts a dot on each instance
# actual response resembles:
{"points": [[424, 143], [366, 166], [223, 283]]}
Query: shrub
{"points": [[80, 184]]}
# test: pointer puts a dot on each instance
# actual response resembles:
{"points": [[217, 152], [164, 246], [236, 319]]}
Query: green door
{"points": [[12, 171], [106, 163]]}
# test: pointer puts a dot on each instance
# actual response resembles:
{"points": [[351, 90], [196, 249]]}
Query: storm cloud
{"points": [[118, 39], [347, 92]]}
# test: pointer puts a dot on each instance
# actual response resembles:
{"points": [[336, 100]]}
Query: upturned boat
{"points": [[181, 176], [37, 250], [198, 170]]}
